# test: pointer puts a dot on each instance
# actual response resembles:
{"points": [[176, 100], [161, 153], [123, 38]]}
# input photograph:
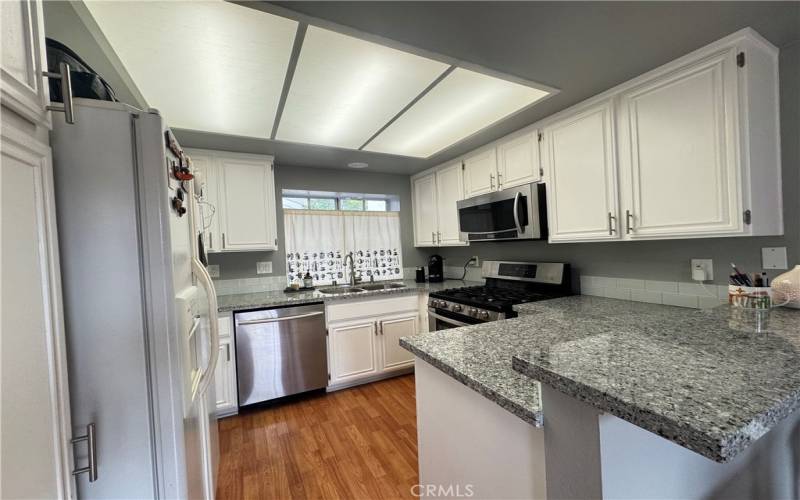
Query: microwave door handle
{"points": [[516, 212]]}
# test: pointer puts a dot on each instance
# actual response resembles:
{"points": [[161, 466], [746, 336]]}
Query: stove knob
{"points": [[434, 303], [483, 314], [472, 311], [457, 307]]}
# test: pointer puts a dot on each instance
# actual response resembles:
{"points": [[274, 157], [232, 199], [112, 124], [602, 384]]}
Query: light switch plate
{"points": [[213, 270], [774, 258], [264, 267]]}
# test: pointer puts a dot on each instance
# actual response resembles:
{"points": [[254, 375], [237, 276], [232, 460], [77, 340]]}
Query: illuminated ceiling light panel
{"points": [[206, 65], [463, 103], [345, 89]]}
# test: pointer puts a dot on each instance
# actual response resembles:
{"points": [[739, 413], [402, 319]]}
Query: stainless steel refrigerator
{"points": [[140, 309]]}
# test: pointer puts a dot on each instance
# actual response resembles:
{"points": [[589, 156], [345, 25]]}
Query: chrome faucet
{"points": [[352, 268]]}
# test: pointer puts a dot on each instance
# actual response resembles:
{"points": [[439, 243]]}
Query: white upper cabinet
{"points": [[22, 87], [449, 191], [582, 198], [435, 196], [518, 161], [425, 210], [697, 152], [480, 173], [238, 204], [679, 135]]}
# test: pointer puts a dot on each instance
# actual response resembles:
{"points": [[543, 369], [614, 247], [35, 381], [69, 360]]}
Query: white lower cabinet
{"points": [[225, 374], [367, 347], [390, 330], [353, 350]]}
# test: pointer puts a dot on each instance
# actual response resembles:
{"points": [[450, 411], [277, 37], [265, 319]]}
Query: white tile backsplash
{"points": [[618, 293], [661, 286], [630, 283], [650, 296], [683, 294], [676, 299]]}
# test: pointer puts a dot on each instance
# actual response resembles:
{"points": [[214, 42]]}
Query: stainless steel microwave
{"points": [[518, 213]]}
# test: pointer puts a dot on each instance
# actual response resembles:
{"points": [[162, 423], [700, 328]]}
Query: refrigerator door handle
{"points": [[204, 279]]}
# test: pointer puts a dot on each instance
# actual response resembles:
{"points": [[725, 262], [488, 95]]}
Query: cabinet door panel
{"points": [[425, 211], [23, 60], [582, 169], [353, 351], [391, 330], [449, 191], [518, 161], [208, 213], [249, 204], [681, 162], [480, 173]]}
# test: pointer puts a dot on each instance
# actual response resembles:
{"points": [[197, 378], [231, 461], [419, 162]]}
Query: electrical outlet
{"points": [[476, 262], [774, 258], [264, 267], [707, 265], [213, 270]]}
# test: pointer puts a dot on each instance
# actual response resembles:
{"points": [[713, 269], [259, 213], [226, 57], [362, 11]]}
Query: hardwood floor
{"points": [[358, 443]]}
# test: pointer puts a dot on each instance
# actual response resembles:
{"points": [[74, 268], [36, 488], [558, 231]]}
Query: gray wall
{"points": [[243, 264], [669, 260]]}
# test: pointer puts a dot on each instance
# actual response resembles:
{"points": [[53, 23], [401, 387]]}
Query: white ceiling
{"points": [[206, 65], [214, 66]]}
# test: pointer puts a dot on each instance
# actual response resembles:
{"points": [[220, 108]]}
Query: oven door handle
{"points": [[516, 212], [447, 320]]}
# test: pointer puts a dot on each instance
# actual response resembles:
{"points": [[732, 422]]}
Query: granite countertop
{"points": [[699, 378], [272, 298]]}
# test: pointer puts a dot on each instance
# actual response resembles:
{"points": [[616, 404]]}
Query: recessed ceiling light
{"points": [[463, 103], [358, 164], [206, 65], [345, 89]]}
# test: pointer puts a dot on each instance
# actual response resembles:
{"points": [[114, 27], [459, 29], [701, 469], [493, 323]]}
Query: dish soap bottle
{"points": [[308, 282]]}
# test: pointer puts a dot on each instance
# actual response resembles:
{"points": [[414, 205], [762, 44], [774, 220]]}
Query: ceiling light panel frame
{"points": [[345, 89], [462, 104]]}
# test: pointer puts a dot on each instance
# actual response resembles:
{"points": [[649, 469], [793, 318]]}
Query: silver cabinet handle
{"points": [[491, 181], [516, 212], [499, 180], [376, 328], [278, 320], [438, 237], [91, 444], [433, 237], [628, 222], [66, 91], [228, 351], [223, 240], [210, 240], [611, 225]]}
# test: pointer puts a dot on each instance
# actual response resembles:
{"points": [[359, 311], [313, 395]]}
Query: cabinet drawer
{"points": [[225, 324], [355, 309]]}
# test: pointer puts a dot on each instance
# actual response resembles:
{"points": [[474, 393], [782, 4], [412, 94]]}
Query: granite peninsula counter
{"points": [[611, 368]]}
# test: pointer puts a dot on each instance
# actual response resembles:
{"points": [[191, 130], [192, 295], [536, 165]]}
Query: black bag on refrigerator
{"points": [[85, 81]]}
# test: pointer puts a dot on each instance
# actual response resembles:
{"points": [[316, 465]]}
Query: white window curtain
{"points": [[318, 241]]}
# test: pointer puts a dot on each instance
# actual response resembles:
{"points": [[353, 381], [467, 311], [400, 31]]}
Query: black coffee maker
{"points": [[436, 269]]}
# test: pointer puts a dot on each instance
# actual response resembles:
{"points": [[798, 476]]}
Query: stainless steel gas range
{"points": [[507, 284]]}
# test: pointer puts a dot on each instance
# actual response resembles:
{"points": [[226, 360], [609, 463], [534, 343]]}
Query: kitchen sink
{"points": [[382, 286], [341, 289]]}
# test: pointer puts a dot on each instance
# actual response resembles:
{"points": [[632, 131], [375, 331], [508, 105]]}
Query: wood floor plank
{"points": [[358, 443]]}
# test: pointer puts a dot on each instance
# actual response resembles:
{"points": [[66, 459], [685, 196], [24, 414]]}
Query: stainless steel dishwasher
{"points": [[280, 351]]}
